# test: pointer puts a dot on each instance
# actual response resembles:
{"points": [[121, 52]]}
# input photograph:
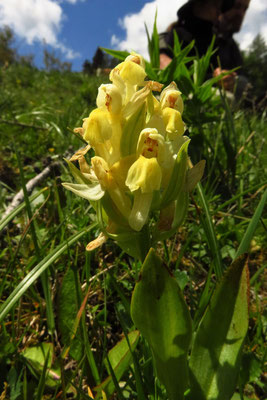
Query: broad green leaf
{"points": [[40, 356], [120, 357], [14, 384], [153, 45], [237, 396], [215, 357], [159, 311], [133, 243], [37, 355], [67, 312]]}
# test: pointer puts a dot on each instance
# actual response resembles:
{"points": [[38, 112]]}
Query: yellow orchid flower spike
{"points": [[140, 165]]}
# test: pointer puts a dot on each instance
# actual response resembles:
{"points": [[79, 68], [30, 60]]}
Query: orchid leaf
{"points": [[159, 311], [215, 357], [37, 357], [136, 244]]}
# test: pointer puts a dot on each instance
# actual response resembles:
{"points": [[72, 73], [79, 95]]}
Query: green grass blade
{"points": [[38, 270], [155, 41], [88, 352], [241, 194], [34, 229], [245, 243], [210, 233], [120, 55], [41, 384]]}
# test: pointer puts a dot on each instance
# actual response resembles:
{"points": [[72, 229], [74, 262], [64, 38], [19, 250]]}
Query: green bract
{"points": [[140, 165]]}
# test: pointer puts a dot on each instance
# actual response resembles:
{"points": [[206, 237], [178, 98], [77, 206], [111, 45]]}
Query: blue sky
{"points": [[75, 28]]}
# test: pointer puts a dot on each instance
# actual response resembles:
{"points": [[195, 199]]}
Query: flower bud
{"points": [[131, 72], [136, 58], [101, 168], [97, 127], [171, 97], [109, 98]]}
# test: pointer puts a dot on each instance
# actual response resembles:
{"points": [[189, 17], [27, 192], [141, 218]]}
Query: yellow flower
{"points": [[141, 159], [131, 72], [144, 174], [143, 178], [109, 98], [109, 183], [102, 131], [174, 124], [171, 97], [98, 128]]}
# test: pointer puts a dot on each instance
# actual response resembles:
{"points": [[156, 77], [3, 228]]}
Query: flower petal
{"points": [[98, 128], [109, 98], [131, 72], [90, 192]]}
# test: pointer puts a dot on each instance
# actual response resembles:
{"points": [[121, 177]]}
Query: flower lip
{"points": [[150, 148], [151, 144], [144, 174]]}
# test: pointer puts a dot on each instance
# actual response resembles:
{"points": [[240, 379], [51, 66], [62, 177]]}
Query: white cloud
{"points": [[135, 34], [133, 24], [114, 41], [71, 1], [35, 20], [255, 22]]}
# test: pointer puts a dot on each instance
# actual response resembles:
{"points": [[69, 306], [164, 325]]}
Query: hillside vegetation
{"points": [[63, 309]]}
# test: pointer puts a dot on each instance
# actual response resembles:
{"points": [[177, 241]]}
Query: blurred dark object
{"points": [[200, 20], [87, 67]]}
